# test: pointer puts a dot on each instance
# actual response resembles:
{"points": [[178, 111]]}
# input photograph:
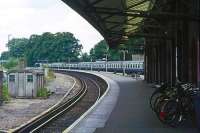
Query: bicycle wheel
{"points": [[169, 113], [154, 98]]}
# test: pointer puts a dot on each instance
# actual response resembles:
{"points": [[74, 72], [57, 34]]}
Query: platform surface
{"points": [[125, 109]]}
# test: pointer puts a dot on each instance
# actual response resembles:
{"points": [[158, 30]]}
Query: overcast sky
{"points": [[21, 18]]}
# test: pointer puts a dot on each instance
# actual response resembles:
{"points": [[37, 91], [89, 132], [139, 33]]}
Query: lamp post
{"points": [[92, 57], [124, 58], [106, 62], [69, 62], [91, 63], [9, 35]]}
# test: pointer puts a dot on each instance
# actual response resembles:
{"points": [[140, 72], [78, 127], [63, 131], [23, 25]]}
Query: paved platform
{"points": [[131, 112]]}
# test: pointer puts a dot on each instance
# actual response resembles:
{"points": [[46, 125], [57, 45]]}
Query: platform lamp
{"points": [[69, 60], [124, 58], [124, 39], [92, 58], [106, 61]]}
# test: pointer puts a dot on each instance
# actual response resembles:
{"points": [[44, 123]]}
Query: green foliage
{"points": [[5, 55], [17, 47], [12, 63], [42, 92], [6, 95], [62, 47], [53, 47], [85, 57], [114, 54], [51, 75], [101, 49], [48, 46], [133, 45]]}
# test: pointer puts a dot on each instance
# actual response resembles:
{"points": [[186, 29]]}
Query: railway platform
{"points": [[125, 109]]}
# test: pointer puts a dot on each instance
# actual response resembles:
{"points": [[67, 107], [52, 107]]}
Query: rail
{"points": [[92, 89]]}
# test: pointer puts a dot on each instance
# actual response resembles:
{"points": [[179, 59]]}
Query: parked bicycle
{"points": [[174, 104]]}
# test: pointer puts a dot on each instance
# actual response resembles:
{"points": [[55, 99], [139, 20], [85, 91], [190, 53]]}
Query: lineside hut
{"points": [[1, 87], [25, 83]]}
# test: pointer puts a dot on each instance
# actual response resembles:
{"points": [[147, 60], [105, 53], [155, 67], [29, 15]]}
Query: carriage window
{"points": [[12, 78]]}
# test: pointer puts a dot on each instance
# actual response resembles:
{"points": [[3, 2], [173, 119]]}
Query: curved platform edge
{"points": [[99, 113]]}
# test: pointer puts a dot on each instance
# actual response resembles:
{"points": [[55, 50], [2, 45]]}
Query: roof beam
{"points": [[139, 3], [93, 3], [136, 24], [146, 35], [146, 14], [121, 23], [117, 25], [107, 17]]}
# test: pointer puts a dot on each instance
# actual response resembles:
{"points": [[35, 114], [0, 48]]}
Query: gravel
{"points": [[19, 111]]}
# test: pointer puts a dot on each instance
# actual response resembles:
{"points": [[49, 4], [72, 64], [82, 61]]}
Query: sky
{"points": [[21, 18]]}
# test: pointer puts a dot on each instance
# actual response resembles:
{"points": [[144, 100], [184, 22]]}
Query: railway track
{"points": [[68, 111]]}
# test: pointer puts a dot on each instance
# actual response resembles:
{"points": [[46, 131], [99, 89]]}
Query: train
{"points": [[128, 67]]}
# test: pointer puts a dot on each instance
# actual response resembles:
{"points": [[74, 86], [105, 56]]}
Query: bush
{"points": [[42, 92], [50, 75], [5, 94]]}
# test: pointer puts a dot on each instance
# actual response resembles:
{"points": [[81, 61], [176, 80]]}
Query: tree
{"points": [[101, 49], [5, 55], [52, 47], [85, 57], [134, 46], [12, 63], [17, 47]]}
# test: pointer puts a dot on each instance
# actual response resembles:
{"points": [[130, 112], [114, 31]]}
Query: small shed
{"points": [[1, 87], [25, 83]]}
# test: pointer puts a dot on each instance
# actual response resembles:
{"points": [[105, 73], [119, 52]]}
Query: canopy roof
{"points": [[116, 20]]}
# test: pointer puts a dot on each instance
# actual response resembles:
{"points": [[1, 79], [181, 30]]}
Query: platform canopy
{"points": [[116, 20]]}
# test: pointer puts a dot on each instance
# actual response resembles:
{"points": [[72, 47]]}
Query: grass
{"points": [[43, 93], [6, 96], [51, 74]]}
